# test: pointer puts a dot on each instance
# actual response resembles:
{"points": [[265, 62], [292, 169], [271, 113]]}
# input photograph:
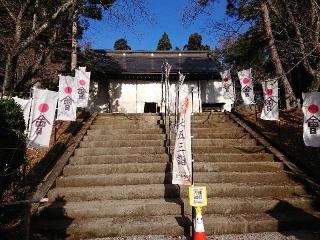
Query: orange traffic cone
{"points": [[199, 233]]}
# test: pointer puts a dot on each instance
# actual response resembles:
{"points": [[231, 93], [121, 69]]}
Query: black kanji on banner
{"points": [[82, 92], [270, 103], [246, 90], [313, 124], [41, 122], [227, 90], [67, 101]]}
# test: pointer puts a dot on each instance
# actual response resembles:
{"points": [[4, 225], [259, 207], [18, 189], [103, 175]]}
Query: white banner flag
{"points": [[247, 94], [83, 69], [311, 123], [67, 108], [176, 95], [44, 104], [82, 79], [182, 166], [227, 85], [270, 109], [25, 107]]}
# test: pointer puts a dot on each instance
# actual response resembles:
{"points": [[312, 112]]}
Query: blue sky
{"points": [[167, 16]]}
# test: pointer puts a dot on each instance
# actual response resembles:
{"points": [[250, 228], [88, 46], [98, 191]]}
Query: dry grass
{"points": [[288, 136]]}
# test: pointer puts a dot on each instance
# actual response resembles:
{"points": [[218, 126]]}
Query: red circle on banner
{"points": [[43, 107], [82, 82], [245, 80], [313, 108], [269, 92], [68, 90], [226, 79]]}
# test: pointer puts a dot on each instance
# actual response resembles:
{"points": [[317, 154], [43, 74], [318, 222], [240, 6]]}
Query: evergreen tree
{"points": [[164, 42], [121, 44], [194, 42]]}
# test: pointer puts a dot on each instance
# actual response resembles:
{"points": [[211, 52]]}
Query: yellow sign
{"points": [[198, 196]]}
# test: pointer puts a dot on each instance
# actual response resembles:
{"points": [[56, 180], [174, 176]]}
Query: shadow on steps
{"points": [[290, 217], [41, 230], [183, 220]]}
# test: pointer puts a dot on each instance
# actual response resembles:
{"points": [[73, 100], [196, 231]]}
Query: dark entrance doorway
{"points": [[150, 107]]}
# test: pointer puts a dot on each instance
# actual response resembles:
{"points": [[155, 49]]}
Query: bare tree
{"points": [[243, 13], [23, 37], [303, 46], [289, 94]]}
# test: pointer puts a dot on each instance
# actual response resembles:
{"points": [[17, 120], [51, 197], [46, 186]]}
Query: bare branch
{"points": [[49, 21], [6, 6]]}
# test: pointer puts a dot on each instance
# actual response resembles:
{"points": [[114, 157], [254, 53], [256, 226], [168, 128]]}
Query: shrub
{"points": [[12, 144]]}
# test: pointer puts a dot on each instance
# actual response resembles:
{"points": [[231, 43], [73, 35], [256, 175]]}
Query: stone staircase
{"points": [[118, 183]]}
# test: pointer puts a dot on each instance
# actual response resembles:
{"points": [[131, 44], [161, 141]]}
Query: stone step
{"points": [[125, 131], [233, 149], [117, 168], [229, 130], [118, 151], [125, 137], [169, 225], [129, 115], [223, 142], [208, 114], [232, 157], [238, 135], [116, 126], [138, 158], [195, 143], [114, 208], [112, 121], [175, 225], [160, 150], [109, 159], [221, 119], [119, 179], [78, 180], [173, 206], [172, 191], [238, 167], [272, 221], [220, 205], [123, 143], [214, 125], [199, 167]]}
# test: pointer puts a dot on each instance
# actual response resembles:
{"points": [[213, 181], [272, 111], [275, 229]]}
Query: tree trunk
{"points": [[74, 50], [9, 77], [35, 17], [315, 84], [289, 94]]}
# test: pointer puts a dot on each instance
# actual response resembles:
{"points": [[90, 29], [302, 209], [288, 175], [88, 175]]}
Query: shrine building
{"points": [[130, 81]]}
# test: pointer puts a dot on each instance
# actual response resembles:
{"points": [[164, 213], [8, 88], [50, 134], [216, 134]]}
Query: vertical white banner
{"points": [[67, 108], [270, 109], [311, 123], [25, 107], [227, 85], [182, 158], [247, 94], [44, 104], [82, 79]]}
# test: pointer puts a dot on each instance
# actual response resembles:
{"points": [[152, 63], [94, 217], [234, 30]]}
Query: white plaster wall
{"points": [[130, 97], [147, 92], [211, 92]]}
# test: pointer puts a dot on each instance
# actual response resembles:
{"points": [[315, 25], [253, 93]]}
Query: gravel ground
{"points": [[300, 235]]}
